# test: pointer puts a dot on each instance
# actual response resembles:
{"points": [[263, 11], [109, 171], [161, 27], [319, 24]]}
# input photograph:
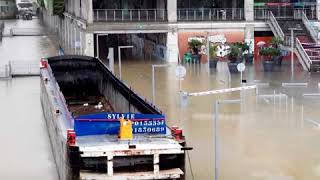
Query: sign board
{"points": [[241, 67], [181, 71], [217, 38], [108, 123]]}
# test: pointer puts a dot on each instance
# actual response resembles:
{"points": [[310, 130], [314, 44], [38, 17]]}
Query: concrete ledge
{"points": [[163, 27]]}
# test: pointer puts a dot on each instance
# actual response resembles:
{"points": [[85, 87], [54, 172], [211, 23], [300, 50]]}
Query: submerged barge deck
{"points": [[78, 94]]}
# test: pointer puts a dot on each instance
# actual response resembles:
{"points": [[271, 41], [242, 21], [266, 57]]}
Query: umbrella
{"points": [[261, 43]]}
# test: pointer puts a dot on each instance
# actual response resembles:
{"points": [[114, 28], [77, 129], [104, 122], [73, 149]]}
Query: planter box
{"points": [[268, 66], [213, 63], [249, 59], [233, 67]]}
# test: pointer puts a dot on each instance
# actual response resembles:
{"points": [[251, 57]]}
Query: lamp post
{"points": [[154, 81], [119, 56], [216, 134], [292, 49]]}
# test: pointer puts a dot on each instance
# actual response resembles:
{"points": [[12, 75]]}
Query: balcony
{"points": [[129, 15], [261, 13], [211, 14]]}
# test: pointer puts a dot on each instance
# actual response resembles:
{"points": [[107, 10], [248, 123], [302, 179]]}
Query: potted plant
{"points": [[213, 56], [269, 55], [276, 42], [234, 58], [195, 46]]}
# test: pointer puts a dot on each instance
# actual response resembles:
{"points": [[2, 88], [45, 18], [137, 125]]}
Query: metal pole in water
{"points": [[153, 86], [216, 115]]}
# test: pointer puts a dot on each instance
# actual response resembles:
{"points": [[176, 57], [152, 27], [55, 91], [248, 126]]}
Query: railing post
{"points": [[202, 14], [114, 15], [130, 14], [187, 12], [106, 12], [194, 14], [138, 15], [155, 15], [122, 18], [147, 15], [97, 14], [210, 14]]}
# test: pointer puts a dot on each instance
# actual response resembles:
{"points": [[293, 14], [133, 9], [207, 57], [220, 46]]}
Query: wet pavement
{"points": [[271, 135], [25, 147]]}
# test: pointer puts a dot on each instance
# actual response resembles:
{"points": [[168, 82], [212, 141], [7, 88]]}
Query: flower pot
{"points": [[195, 58], [213, 63], [268, 66], [233, 67], [278, 60], [249, 59]]}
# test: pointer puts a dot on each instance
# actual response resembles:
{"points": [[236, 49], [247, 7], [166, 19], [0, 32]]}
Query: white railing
{"points": [[309, 27], [303, 54], [261, 13], [274, 23], [4, 71], [129, 15], [210, 14]]}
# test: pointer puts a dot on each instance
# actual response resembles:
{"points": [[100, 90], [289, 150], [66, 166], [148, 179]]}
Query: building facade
{"points": [[162, 28], [7, 9]]}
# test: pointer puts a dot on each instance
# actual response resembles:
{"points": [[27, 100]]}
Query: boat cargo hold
{"points": [[100, 129]]}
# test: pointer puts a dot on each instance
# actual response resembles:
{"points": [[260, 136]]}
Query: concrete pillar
{"points": [[89, 46], [249, 10], [249, 37], [318, 10], [89, 11], [77, 8], [172, 46], [172, 10]]}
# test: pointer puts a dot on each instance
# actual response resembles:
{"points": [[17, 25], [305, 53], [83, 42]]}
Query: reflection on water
{"points": [[265, 137], [25, 148]]}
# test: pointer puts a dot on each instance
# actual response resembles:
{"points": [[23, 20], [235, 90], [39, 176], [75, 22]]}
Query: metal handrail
{"points": [[305, 57], [129, 15], [261, 13], [210, 14], [276, 25], [311, 30]]}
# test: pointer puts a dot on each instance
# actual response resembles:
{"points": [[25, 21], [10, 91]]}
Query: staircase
{"points": [[305, 43]]}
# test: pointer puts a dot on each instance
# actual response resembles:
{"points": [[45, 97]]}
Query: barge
{"points": [[83, 103]]}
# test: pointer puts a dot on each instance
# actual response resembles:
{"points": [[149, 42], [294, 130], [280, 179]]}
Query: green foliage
{"points": [[270, 51], [193, 44], [41, 3], [213, 51], [235, 52], [58, 7], [276, 42]]}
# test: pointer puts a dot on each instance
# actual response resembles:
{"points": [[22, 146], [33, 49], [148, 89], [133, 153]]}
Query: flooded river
{"points": [[25, 147], [271, 135]]}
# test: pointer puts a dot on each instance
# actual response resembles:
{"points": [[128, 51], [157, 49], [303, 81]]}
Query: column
{"points": [[89, 46], [89, 11], [318, 10], [249, 10], [249, 36], [172, 46], [172, 10]]}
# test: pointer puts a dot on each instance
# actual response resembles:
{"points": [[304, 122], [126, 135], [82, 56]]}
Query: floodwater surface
{"points": [[25, 147], [271, 135]]}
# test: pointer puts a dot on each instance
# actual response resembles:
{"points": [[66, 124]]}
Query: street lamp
{"points": [[216, 138], [119, 56], [292, 48], [153, 80]]}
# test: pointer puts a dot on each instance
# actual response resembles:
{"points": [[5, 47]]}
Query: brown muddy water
{"points": [[266, 137]]}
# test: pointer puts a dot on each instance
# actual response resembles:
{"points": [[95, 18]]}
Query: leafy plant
{"points": [[270, 51], [276, 42], [195, 45], [235, 52], [213, 51]]}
